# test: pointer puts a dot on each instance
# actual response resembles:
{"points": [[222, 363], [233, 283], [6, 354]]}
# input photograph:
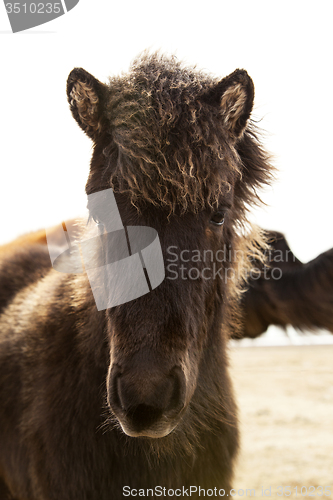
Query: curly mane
{"points": [[169, 146]]}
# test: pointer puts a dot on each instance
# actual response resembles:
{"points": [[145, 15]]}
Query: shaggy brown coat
{"points": [[176, 147]]}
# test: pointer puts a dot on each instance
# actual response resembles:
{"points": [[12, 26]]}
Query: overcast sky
{"points": [[286, 47]]}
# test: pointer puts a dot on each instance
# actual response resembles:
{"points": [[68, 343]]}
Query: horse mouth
{"points": [[155, 432], [145, 422]]}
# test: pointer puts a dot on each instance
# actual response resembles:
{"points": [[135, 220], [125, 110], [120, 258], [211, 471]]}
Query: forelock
{"points": [[168, 145]]}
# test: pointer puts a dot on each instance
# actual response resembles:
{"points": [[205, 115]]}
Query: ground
{"points": [[285, 398]]}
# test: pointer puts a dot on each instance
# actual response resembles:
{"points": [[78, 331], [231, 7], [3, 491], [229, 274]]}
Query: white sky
{"points": [[286, 47]]}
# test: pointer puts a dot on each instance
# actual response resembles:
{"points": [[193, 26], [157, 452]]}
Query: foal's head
{"points": [[175, 147]]}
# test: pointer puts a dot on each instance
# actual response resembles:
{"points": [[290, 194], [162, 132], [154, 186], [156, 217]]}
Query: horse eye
{"points": [[218, 218]]}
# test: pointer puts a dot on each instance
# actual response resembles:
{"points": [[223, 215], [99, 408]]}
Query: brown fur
{"points": [[72, 378], [264, 301]]}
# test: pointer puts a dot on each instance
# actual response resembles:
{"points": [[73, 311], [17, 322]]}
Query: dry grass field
{"points": [[285, 398]]}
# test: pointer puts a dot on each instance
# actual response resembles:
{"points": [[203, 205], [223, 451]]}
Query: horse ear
{"points": [[86, 96], [234, 94]]}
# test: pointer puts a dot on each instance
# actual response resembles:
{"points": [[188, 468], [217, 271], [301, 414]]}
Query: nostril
{"points": [[119, 393], [113, 388]]}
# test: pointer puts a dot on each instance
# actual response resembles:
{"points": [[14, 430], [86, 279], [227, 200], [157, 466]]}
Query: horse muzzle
{"points": [[147, 402]]}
